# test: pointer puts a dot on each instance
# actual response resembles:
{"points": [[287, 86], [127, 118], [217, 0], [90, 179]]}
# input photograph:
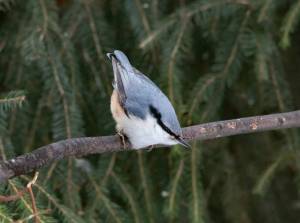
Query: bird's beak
{"points": [[119, 58], [110, 56], [183, 143], [114, 60]]}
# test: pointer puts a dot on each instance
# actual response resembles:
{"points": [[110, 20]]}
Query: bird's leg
{"points": [[122, 138], [149, 149]]}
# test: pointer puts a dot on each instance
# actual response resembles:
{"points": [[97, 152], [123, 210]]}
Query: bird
{"points": [[142, 112]]}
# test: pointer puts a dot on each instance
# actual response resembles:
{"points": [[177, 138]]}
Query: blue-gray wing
{"points": [[145, 98]]}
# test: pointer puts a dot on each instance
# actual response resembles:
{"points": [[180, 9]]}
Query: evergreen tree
{"points": [[215, 60]]}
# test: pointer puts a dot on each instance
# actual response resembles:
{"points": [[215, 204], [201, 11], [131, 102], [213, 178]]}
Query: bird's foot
{"points": [[149, 148], [122, 138]]}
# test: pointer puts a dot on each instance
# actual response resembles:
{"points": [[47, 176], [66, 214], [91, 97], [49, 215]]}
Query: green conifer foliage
{"points": [[215, 59]]}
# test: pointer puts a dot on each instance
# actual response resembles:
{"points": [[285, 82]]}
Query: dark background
{"points": [[215, 60]]}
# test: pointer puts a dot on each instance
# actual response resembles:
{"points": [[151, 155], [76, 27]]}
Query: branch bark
{"points": [[91, 145]]}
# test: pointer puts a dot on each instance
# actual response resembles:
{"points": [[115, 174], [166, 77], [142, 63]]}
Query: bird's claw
{"points": [[149, 149], [122, 138]]}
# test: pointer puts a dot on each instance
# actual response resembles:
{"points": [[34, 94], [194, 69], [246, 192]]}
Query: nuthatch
{"points": [[141, 110]]}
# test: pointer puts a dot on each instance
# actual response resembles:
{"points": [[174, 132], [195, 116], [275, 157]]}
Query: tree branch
{"points": [[90, 145]]}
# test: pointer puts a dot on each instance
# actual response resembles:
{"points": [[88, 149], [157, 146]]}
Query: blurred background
{"points": [[215, 60]]}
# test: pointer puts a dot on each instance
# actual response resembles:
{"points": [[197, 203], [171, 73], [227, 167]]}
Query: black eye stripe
{"points": [[157, 115]]}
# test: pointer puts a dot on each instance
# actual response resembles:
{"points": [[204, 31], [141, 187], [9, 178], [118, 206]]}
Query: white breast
{"points": [[143, 133]]}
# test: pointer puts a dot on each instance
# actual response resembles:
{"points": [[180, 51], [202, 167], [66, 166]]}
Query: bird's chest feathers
{"points": [[115, 107], [143, 132]]}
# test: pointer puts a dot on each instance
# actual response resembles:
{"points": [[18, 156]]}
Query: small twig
{"points": [[19, 193], [15, 197], [91, 145], [29, 188], [2, 45], [27, 218]]}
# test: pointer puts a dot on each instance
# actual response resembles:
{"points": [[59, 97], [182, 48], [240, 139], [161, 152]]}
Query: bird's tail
{"points": [[183, 143]]}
